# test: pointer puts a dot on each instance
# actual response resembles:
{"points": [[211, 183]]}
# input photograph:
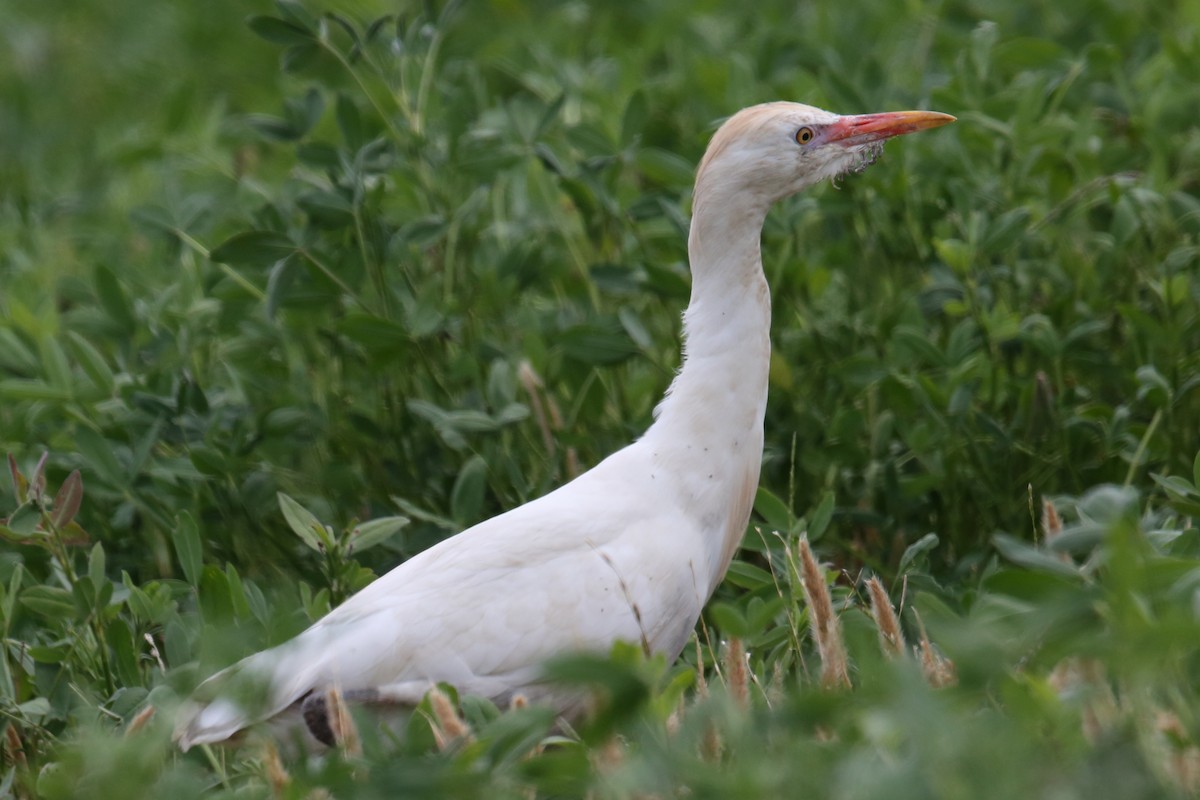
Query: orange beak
{"points": [[867, 128]]}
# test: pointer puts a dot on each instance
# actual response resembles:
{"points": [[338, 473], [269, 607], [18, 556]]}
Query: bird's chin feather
{"points": [[866, 156], [854, 160]]}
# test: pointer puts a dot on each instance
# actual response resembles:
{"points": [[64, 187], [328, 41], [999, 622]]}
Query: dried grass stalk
{"points": [[1180, 756], [1087, 678], [775, 689], [277, 774], [341, 724], [736, 673], [531, 382], [711, 746], [826, 628], [12, 742], [701, 682], [675, 720]]}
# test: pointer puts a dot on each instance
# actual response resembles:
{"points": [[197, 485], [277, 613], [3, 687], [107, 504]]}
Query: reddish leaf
{"points": [[37, 483], [20, 485], [74, 535], [68, 499]]}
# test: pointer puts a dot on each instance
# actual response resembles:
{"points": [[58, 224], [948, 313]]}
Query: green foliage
{"points": [[434, 263]]}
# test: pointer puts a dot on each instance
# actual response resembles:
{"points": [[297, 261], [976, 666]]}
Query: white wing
{"points": [[594, 562]]}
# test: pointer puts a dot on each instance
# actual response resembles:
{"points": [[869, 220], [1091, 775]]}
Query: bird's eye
{"points": [[805, 135]]}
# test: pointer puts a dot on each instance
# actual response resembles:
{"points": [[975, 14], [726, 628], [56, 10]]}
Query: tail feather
{"points": [[252, 690], [204, 723]]}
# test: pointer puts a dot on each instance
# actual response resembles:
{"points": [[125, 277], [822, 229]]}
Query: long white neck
{"points": [[708, 435]]}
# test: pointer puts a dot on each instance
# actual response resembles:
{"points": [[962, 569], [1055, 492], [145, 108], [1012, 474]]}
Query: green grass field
{"points": [[418, 269]]}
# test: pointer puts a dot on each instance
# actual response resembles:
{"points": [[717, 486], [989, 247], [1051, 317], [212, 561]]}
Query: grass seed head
{"points": [[1180, 756], [345, 732], [1051, 522], [938, 670], [1052, 526], [448, 722], [891, 638], [12, 743], [139, 721], [826, 628], [701, 683], [735, 672], [277, 774]]}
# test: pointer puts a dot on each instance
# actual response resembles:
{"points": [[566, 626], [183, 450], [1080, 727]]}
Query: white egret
{"points": [[630, 550]]}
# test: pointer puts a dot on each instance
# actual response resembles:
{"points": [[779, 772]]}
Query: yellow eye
{"points": [[805, 135]]}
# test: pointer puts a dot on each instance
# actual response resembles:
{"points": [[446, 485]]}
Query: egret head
{"points": [[776, 149]]}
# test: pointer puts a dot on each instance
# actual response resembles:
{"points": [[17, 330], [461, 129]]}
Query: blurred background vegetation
{"points": [[427, 261]]}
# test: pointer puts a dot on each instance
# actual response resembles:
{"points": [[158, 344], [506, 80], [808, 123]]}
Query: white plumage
{"points": [[630, 550]]}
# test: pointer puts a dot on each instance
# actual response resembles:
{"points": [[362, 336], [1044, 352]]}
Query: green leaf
{"points": [[664, 167], [748, 576], [84, 595], [730, 620], [14, 355], [138, 600], [819, 521], [1182, 495], [918, 346], [125, 652], [466, 498], [295, 13], [916, 550], [186, 538], [327, 209], [99, 455], [349, 122], [207, 460], [278, 31], [1006, 230], [113, 299], [96, 566], [52, 602], [93, 363], [55, 367], [24, 521], [33, 390], [300, 57], [773, 510], [213, 592], [237, 591], [303, 523], [377, 336], [35, 710], [1026, 555], [377, 531], [271, 128], [253, 248], [633, 121], [8, 599], [304, 112]]}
